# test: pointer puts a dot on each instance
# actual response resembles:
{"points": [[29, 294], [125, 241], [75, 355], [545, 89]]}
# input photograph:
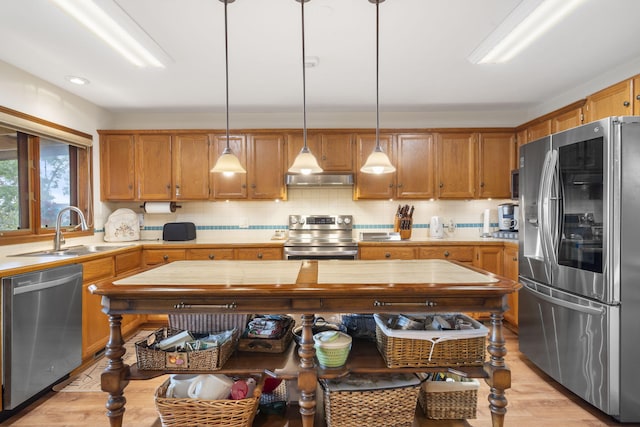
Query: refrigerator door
{"points": [[534, 164], [574, 340]]}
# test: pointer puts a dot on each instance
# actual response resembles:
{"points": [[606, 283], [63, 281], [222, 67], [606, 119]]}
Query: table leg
{"points": [[499, 375], [307, 376], [114, 378]]}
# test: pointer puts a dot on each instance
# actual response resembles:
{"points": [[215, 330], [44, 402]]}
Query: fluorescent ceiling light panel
{"points": [[107, 20], [528, 21]]}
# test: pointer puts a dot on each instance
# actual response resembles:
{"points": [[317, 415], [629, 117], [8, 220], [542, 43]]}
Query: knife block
{"points": [[405, 231]]}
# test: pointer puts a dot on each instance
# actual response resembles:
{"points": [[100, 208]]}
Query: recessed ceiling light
{"points": [[80, 81]]}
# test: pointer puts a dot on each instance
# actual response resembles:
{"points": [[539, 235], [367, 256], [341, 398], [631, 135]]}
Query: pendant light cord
{"points": [[226, 63], [377, 79], [304, 83]]}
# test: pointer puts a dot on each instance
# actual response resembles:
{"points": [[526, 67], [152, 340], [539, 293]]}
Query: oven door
{"points": [[320, 252]]}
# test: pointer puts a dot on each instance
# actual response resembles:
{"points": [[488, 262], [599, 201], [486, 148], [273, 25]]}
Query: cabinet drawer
{"points": [[97, 269], [160, 256], [212, 253], [128, 261], [259, 254], [387, 253], [456, 253]]}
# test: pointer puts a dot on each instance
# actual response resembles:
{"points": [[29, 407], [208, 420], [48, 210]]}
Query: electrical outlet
{"points": [[141, 220], [244, 223]]}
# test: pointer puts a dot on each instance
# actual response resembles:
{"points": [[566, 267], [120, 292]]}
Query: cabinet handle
{"points": [[446, 253], [400, 185], [211, 256], [408, 304], [324, 157], [259, 255], [481, 184], [515, 258], [387, 255], [253, 186], [183, 306], [638, 97], [391, 185], [244, 185], [441, 185], [165, 257], [177, 190], [626, 103]]}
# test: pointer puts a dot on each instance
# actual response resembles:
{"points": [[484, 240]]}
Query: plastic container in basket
{"points": [[187, 412], [360, 326], [332, 348], [149, 358], [427, 348], [443, 400], [370, 400]]}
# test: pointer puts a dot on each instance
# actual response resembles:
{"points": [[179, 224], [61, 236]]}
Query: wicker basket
{"points": [[394, 406], [200, 360], [208, 322], [419, 349], [186, 412], [441, 400]]}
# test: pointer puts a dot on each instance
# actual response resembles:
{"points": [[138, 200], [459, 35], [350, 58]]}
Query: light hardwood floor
{"points": [[535, 400]]}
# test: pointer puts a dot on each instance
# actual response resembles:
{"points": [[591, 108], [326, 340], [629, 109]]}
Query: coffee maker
{"points": [[508, 217]]}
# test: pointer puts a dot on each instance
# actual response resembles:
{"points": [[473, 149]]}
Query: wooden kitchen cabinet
{"points": [[489, 258], [163, 256], [415, 166], [372, 186], [210, 254], [234, 186], [567, 120], [636, 95], [191, 166], [616, 100], [456, 165], [117, 167], [462, 253], [334, 151], [153, 167], [386, 252], [539, 130], [256, 254], [496, 160], [510, 270]]}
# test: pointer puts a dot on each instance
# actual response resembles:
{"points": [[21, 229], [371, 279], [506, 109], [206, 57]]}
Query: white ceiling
{"points": [[423, 49]]}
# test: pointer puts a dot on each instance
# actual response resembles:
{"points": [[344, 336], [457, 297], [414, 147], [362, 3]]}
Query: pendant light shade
{"points": [[377, 162], [305, 163], [227, 163]]}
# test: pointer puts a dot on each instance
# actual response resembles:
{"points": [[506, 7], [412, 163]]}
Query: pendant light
{"points": [[227, 163], [305, 163], [377, 162]]}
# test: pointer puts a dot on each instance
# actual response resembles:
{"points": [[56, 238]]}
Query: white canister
{"points": [[210, 387], [179, 385], [436, 228]]}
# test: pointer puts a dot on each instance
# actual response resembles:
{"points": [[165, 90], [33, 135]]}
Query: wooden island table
{"points": [[307, 287]]}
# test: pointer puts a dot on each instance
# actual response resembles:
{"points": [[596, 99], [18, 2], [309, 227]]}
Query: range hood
{"points": [[319, 180]]}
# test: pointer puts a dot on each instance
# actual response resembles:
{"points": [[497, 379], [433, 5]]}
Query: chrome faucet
{"points": [[58, 239]]}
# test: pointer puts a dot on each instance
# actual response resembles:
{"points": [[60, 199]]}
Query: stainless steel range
{"points": [[320, 237]]}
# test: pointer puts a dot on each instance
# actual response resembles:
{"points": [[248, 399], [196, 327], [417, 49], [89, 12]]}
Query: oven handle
{"points": [[327, 253]]}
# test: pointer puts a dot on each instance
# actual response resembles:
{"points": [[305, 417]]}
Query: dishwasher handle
{"points": [[22, 289]]}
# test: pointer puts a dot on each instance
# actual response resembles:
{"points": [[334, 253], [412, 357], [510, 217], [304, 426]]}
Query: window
{"points": [[39, 176]]}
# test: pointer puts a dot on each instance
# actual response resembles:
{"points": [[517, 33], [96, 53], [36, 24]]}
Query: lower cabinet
{"points": [[387, 252], [510, 270]]}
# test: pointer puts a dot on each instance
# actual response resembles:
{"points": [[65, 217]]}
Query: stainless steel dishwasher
{"points": [[42, 330]]}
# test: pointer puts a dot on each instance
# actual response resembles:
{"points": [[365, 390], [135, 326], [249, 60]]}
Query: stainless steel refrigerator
{"points": [[579, 308]]}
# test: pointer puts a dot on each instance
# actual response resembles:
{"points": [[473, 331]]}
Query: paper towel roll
{"points": [[485, 226], [159, 207]]}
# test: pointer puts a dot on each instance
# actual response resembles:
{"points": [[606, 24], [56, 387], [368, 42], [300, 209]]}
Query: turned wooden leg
{"points": [[114, 378], [498, 374], [307, 376]]}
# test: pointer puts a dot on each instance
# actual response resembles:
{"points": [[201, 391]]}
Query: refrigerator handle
{"points": [[566, 304], [544, 214], [553, 208]]}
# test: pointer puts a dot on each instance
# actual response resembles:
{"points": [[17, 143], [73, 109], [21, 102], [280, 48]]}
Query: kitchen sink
{"points": [[72, 251]]}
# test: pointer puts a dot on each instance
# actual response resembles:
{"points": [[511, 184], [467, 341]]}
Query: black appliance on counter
{"points": [[178, 231], [320, 237]]}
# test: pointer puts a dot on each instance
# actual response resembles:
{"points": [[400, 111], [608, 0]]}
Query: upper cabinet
{"points": [[153, 167], [415, 166], [371, 186], [229, 186], [567, 120], [616, 100], [496, 160], [455, 165], [117, 167], [636, 95], [539, 130], [334, 151], [191, 166]]}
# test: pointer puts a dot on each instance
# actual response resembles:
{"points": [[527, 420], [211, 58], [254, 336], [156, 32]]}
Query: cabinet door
{"points": [[456, 163], [539, 130], [489, 258], [371, 186], [615, 100], [336, 152], [387, 252], [117, 167], [233, 186], [295, 143], [153, 167], [415, 173], [510, 270], [191, 167], [210, 254], [163, 256], [567, 120], [266, 167], [253, 254], [496, 160], [452, 253], [636, 96]]}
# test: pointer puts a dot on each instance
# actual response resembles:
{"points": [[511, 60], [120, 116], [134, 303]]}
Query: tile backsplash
{"points": [[249, 221]]}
